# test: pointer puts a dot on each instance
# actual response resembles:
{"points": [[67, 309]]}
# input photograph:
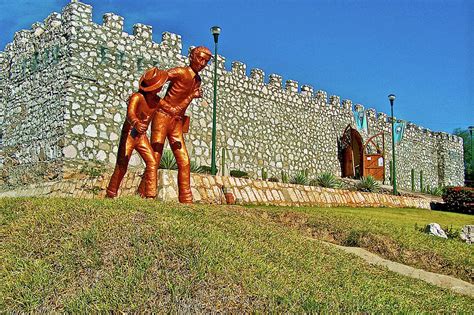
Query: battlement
{"points": [[99, 63], [79, 14]]}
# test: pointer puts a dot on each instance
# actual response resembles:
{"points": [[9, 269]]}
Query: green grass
{"points": [[393, 233], [136, 255]]}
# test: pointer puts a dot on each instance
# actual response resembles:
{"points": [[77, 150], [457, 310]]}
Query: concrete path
{"points": [[436, 279]]}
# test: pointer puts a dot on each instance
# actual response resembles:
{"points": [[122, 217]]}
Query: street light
{"points": [[215, 30], [391, 97]]}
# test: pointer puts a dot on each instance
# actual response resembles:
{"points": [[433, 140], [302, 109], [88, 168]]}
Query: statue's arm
{"points": [[133, 103]]}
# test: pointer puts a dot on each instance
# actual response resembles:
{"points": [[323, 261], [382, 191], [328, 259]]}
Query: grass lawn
{"points": [[135, 255], [391, 233]]}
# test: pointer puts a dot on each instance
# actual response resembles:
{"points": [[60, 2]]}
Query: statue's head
{"points": [[153, 80], [199, 57]]}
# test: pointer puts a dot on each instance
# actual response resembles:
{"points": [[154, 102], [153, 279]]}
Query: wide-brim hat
{"points": [[153, 79]]}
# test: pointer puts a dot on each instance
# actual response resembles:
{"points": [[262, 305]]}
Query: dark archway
{"points": [[352, 153]]}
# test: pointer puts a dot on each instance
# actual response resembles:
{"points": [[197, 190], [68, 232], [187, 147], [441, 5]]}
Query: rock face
{"points": [[65, 85], [467, 234], [436, 230]]}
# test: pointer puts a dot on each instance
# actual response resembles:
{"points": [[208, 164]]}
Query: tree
{"points": [[468, 158]]}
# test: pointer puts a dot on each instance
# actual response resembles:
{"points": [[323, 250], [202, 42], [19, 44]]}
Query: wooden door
{"points": [[348, 162], [374, 166]]}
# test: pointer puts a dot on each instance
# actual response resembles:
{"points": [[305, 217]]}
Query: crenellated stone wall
{"points": [[34, 72], [64, 90]]}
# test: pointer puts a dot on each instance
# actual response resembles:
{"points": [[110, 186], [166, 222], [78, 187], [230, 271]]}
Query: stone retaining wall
{"points": [[208, 189]]}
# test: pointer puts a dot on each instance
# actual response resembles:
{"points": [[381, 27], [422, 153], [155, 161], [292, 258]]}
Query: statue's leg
{"points": [[126, 146], [149, 177], [159, 127], [184, 165]]}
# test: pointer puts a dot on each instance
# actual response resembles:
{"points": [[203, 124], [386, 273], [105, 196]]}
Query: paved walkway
{"points": [[436, 279]]}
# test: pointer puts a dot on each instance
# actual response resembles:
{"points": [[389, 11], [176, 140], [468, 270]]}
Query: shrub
{"points": [[264, 174], [168, 161], [328, 180], [239, 174], [195, 168], [284, 177], [459, 199], [436, 191], [452, 232], [205, 169], [368, 184], [300, 178]]}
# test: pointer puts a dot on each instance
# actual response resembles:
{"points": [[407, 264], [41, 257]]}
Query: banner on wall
{"points": [[399, 127], [361, 120]]}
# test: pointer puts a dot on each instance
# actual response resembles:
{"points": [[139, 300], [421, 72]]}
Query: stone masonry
{"points": [[208, 189], [64, 88]]}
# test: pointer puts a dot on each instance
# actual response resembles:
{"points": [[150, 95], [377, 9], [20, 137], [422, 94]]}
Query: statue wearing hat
{"points": [[142, 106], [169, 121]]}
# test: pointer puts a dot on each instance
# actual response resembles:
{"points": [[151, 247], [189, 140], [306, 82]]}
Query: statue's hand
{"points": [[141, 127], [198, 93]]}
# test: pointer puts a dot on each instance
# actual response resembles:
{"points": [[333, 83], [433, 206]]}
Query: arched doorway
{"points": [[362, 159], [352, 153]]}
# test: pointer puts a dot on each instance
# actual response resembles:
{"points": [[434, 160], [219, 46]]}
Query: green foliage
{"points": [[239, 174], [435, 191], [300, 178], [459, 199], [284, 177], [264, 174], [93, 168], [206, 169], [195, 168], [368, 184], [168, 161], [452, 233], [328, 180]]}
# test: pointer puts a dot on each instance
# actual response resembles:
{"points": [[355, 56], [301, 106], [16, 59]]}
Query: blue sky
{"points": [[422, 51]]}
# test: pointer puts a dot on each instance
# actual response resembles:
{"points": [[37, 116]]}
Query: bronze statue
{"points": [[142, 105], [170, 122]]}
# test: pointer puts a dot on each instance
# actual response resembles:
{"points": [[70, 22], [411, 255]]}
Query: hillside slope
{"points": [[136, 255]]}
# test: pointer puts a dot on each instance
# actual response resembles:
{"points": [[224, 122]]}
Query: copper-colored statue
{"points": [[169, 121], [142, 105]]}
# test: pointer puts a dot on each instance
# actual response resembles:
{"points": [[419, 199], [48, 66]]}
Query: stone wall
{"points": [[208, 189], [33, 76], [76, 107]]}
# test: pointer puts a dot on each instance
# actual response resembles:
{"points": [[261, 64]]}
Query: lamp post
{"points": [[391, 97], [215, 30]]}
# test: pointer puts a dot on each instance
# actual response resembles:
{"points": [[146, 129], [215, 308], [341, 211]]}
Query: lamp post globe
{"points": [[391, 98], [215, 31]]}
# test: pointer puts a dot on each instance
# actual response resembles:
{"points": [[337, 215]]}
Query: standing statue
{"points": [[142, 105], [170, 122]]}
